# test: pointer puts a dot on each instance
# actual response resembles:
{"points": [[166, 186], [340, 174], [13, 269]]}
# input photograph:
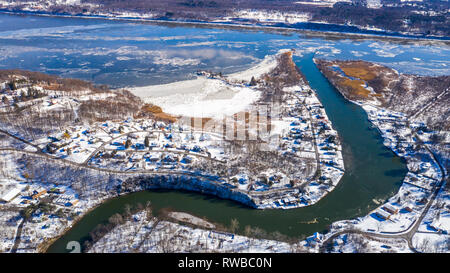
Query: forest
{"points": [[419, 18]]}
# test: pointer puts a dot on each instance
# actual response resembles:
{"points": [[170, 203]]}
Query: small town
{"points": [[225, 128], [135, 147]]}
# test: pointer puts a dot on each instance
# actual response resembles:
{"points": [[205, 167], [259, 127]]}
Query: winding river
{"points": [[372, 172], [153, 54]]}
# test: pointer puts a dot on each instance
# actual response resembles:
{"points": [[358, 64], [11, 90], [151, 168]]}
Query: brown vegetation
{"points": [[356, 87], [356, 75], [155, 112], [285, 74], [359, 69], [422, 98], [399, 92], [33, 123]]}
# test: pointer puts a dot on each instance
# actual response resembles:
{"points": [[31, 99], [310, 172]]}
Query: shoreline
{"points": [[234, 25], [426, 188], [206, 96], [208, 240], [256, 200]]}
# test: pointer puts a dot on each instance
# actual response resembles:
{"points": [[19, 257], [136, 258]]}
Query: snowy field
{"points": [[206, 97]]}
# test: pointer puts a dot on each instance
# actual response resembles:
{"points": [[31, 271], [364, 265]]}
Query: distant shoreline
{"points": [[233, 25]]}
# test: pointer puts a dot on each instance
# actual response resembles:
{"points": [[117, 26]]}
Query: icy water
{"points": [[130, 54]]}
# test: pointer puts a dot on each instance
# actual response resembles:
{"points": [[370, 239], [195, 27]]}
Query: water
{"points": [[372, 172], [130, 54], [149, 54]]}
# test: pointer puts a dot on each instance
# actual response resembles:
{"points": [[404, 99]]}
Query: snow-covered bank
{"points": [[201, 97], [78, 168], [205, 96], [277, 21], [190, 219], [401, 212], [264, 16], [146, 234], [256, 71]]}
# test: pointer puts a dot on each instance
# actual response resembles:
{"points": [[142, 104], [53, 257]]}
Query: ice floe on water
{"points": [[200, 97], [206, 97], [178, 50], [49, 31], [176, 61]]}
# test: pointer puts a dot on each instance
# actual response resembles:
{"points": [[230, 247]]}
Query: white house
{"points": [[10, 195], [390, 208], [3, 85], [383, 214]]}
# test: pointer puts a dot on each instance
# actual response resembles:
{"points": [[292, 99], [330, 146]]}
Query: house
{"points": [[383, 214], [3, 85], [390, 208], [314, 239], [56, 191], [225, 236], [290, 200], [408, 208], [10, 195], [263, 178], [317, 237], [441, 224], [39, 194], [153, 159], [62, 200], [170, 158], [133, 136], [186, 160]]}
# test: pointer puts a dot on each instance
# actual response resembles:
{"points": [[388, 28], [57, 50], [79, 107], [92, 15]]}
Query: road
{"points": [[313, 132], [18, 236]]}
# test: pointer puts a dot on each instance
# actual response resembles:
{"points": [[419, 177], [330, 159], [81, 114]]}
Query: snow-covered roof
{"points": [[441, 223], [10, 195], [390, 207], [383, 213]]}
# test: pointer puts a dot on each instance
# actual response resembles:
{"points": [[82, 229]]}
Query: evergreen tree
{"points": [[147, 142], [127, 144]]}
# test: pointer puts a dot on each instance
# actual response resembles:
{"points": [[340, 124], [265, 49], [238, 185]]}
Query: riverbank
{"points": [[415, 211], [146, 235], [173, 156], [399, 217], [235, 25], [349, 200]]}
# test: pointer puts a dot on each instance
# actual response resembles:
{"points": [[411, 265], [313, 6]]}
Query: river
{"points": [[372, 172], [151, 54]]}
